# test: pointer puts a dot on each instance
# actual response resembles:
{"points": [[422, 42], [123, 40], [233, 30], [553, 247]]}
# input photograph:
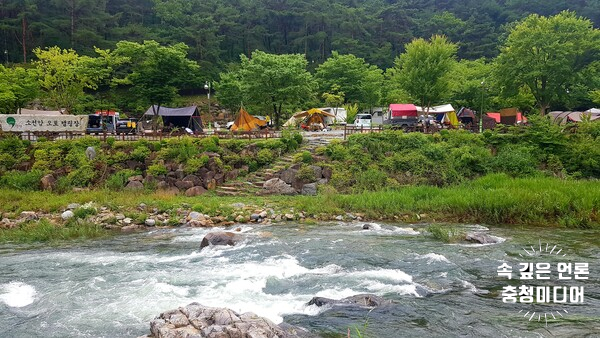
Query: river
{"points": [[114, 287]]}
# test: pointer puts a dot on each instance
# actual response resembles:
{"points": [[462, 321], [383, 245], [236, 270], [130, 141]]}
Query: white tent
{"points": [[445, 108]]}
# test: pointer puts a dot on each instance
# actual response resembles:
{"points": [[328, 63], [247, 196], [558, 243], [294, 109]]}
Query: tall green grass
{"points": [[492, 199], [44, 231]]}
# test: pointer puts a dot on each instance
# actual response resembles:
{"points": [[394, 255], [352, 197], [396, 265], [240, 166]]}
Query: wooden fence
{"points": [[352, 129]]}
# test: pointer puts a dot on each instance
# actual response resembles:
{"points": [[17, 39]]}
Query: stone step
{"points": [[230, 193], [228, 188]]}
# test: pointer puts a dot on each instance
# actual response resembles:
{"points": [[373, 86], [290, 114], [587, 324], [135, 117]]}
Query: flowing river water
{"points": [[114, 287]]}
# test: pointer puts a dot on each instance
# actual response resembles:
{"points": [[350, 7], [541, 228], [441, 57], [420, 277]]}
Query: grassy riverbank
{"points": [[492, 199]]}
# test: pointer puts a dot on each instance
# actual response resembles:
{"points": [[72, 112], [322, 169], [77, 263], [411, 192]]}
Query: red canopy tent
{"points": [[401, 109]]}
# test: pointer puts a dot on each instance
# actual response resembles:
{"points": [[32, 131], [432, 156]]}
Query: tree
{"points": [[360, 82], [64, 75], [269, 81], [423, 70], [154, 73], [17, 87], [549, 56]]}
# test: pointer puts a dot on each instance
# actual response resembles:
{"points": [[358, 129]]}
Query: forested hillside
{"points": [[218, 31]]}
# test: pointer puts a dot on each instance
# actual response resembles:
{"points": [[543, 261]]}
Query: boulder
{"points": [[196, 320], [134, 165], [28, 216], [231, 175], [327, 172], [220, 238], [195, 191], [367, 300], [318, 171], [132, 227], [73, 206], [194, 179], [179, 174], [138, 178], [195, 216], [48, 182], [207, 176], [220, 178], [67, 215], [211, 184], [90, 153], [162, 185], [134, 185], [309, 189], [150, 222], [278, 186], [288, 175], [184, 185], [480, 237]]}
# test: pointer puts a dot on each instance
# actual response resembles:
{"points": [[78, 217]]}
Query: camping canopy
{"points": [[520, 118], [186, 117], [398, 109], [247, 122], [313, 116], [562, 117], [445, 108]]}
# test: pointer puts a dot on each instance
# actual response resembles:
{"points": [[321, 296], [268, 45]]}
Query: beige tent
{"points": [[247, 122], [313, 118]]}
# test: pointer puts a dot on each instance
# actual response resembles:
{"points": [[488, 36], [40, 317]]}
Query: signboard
{"points": [[33, 123]]}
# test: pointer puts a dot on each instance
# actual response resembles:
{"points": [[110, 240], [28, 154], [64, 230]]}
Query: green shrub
{"points": [[12, 151], [82, 176], [118, 157], [304, 157], [118, 180], [264, 157], [63, 185], [370, 180], [24, 181], [337, 152], [306, 174], [341, 179], [140, 153], [445, 233], [194, 164], [84, 211], [516, 160], [157, 169], [110, 141], [210, 144], [76, 158]]}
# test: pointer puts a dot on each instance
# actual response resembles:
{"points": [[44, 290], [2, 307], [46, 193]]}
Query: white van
{"points": [[363, 120]]}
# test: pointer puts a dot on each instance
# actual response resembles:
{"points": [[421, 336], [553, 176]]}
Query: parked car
{"points": [[363, 120]]}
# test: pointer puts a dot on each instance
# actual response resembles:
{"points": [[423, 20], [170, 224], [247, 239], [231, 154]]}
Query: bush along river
{"points": [[115, 287]]}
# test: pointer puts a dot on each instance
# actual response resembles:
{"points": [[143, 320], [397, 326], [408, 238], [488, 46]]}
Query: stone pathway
{"points": [[253, 182]]}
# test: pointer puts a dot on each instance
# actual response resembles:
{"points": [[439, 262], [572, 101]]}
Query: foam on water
{"points": [[17, 294], [433, 258], [398, 276], [401, 289]]}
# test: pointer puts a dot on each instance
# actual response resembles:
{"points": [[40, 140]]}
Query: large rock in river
{"points": [[480, 237], [367, 300], [220, 238], [196, 320]]}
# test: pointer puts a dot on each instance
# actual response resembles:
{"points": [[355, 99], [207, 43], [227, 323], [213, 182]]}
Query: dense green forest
{"points": [[218, 31], [278, 56]]}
